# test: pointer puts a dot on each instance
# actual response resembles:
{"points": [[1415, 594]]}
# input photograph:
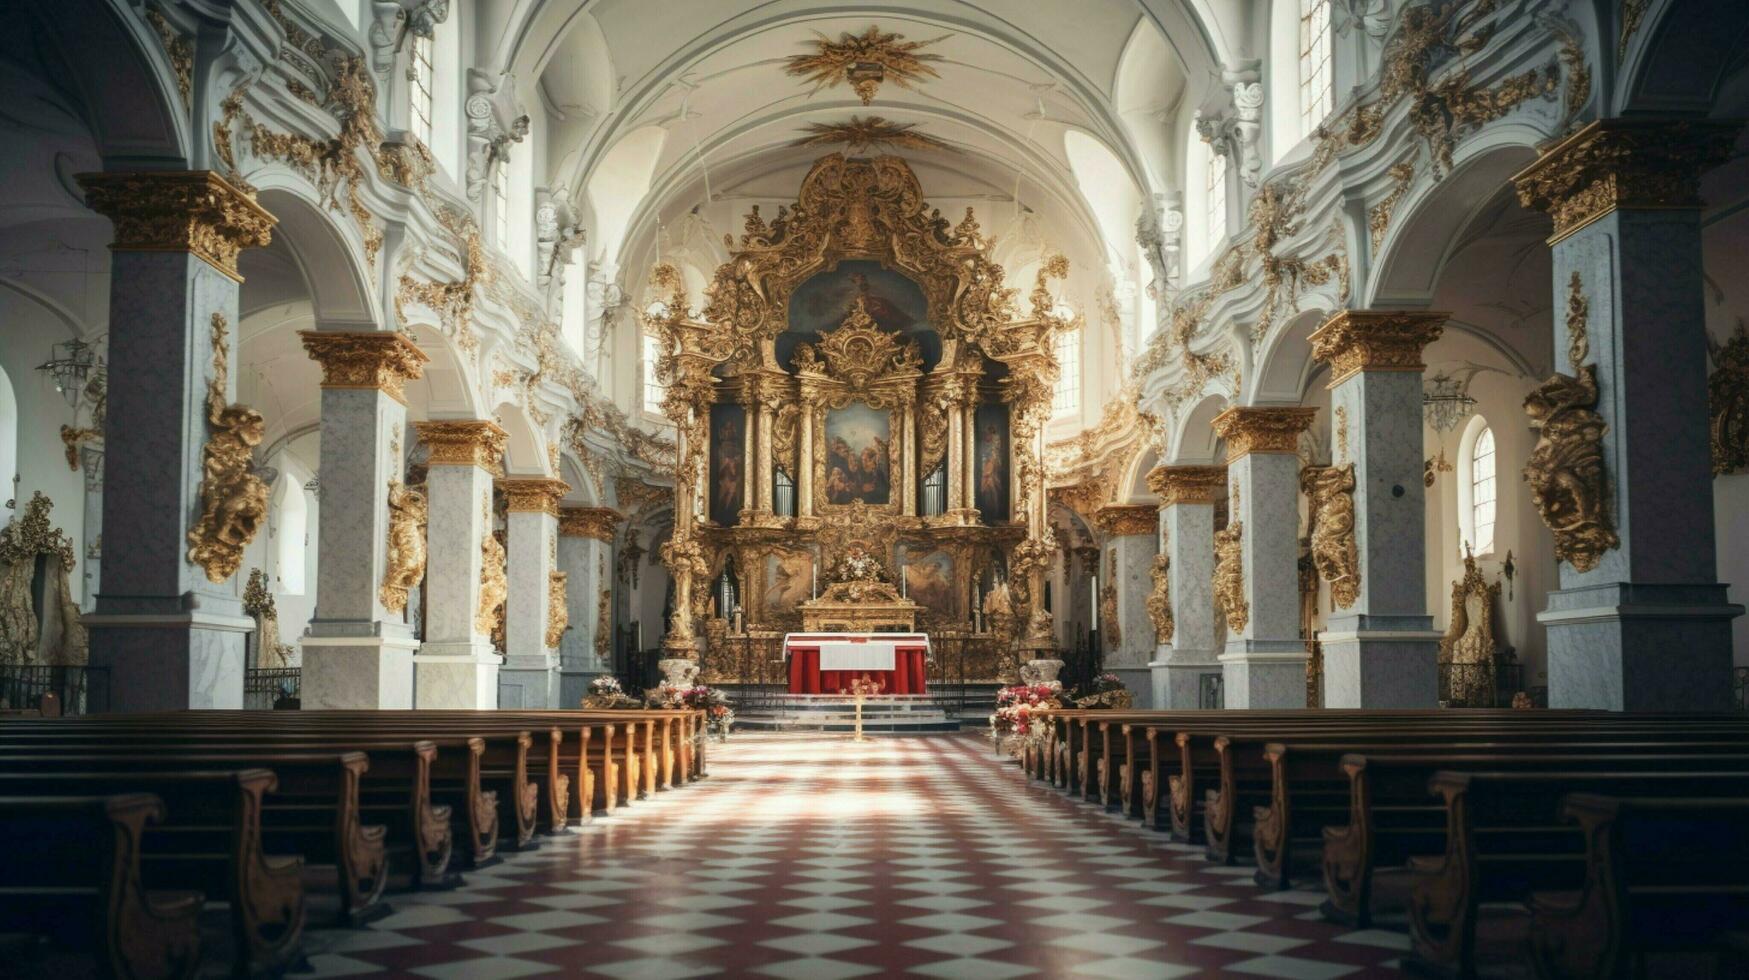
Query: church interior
{"points": [[671, 488]]}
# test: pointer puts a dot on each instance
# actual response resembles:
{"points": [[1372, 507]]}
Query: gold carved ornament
{"points": [[1352, 341], [1187, 484], [494, 585], [1469, 635], [1335, 553], [384, 361], [233, 499], [1127, 520], [603, 615], [1728, 402], [864, 61], [1159, 602], [1568, 483], [858, 133], [406, 553], [1229, 577], [194, 211], [464, 442], [599, 523], [1262, 430], [558, 616], [26, 537], [536, 495], [1109, 624]]}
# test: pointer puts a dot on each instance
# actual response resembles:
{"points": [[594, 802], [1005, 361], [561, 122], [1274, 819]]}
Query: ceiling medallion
{"points": [[864, 61], [860, 133]]}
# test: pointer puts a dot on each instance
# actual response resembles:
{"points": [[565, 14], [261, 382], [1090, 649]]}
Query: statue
{"points": [[405, 569]]}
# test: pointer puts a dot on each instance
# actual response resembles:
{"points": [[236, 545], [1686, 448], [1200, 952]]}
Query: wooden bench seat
{"points": [[79, 882]]}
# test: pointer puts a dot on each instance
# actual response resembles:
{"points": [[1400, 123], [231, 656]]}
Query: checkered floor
{"points": [[810, 856]]}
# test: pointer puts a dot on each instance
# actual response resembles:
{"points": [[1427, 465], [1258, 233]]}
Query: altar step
{"points": [[888, 715]]}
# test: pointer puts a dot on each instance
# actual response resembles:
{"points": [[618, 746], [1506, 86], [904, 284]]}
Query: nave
{"points": [[801, 857]]}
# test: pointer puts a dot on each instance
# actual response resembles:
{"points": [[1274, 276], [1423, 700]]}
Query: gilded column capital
{"points": [[1352, 341], [1624, 163], [534, 495], [194, 211], [382, 360], [464, 442], [1124, 520], [1262, 430], [599, 523], [1188, 484]]}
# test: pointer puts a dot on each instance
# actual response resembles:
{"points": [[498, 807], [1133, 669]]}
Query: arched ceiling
{"points": [[1015, 76]]}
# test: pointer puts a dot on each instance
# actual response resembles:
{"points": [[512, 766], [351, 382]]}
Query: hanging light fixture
{"points": [[69, 366], [1445, 403]]}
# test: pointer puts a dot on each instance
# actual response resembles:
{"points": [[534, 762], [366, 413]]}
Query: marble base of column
{"points": [[1381, 662], [1629, 647], [1177, 676], [456, 675], [1264, 674], [169, 661], [1139, 681], [346, 672], [531, 682]]}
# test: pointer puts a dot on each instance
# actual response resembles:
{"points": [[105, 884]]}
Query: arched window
{"points": [[1315, 81], [420, 84], [291, 536], [1482, 491], [654, 390], [8, 439], [1066, 396]]}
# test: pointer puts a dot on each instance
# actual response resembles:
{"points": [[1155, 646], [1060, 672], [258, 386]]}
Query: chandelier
{"points": [[69, 367], [1444, 403]]}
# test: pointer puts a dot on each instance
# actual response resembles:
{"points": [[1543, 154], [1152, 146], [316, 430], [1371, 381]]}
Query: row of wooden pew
{"points": [[1584, 840], [120, 829]]}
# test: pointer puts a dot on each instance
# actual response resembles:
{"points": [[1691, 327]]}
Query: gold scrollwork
{"points": [[405, 566], [494, 585], [1334, 550], [185, 211], [233, 499], [380, 360], [1229, 577], [1262, 430], [1159, 602], [558, 616], [599, 523], [1728, 402], [1109, 623]]}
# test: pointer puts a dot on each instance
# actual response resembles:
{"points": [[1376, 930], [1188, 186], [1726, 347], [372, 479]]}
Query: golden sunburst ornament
{"points": [[860, 133], [865, 61]]}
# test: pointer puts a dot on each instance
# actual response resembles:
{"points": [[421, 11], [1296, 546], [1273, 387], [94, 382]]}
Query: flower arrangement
{"points": [[1105, 691], [858, 566], [864, 687], [1017, 720], [605, 693], [719, 714]]}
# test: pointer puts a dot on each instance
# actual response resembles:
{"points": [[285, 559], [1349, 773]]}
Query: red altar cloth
{"points": [[908, 676]]}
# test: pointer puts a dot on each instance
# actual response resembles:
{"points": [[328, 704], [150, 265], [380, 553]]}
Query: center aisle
{"points": [[810, 858]]}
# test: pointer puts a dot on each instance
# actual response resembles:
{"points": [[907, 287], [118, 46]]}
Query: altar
{"points": [[826, 663]]}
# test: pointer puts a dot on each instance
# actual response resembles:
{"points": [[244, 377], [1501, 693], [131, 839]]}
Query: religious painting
{"points": [[728, 462], [929, 582], [859, 462], [990, 428], [789, 576], [896, 303]]}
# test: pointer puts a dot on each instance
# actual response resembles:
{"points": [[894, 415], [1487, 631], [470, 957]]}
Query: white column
{"points": [[169, 630], [359, 648], [1187, 523], [456, 667], [1264, 664], [586, 557], [530, 677]]}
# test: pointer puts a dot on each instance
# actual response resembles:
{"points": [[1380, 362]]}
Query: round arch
{"points": [[332, 264], [1286, 369], [1678, 59], [1193, 441], [124, 80]]}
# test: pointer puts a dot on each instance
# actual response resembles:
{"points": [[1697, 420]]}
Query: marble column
{"points": [[908, 447], [957, 491], [1187, 648], [456, 666], [1132, 539], [358, 651], [1264, 665], [586, 557], [1640, 621], [1380, 648], [169, 630], [969, 451], [749, 450], [530, 677], [805, 460]]}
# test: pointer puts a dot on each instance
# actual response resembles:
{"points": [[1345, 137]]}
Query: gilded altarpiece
{"points": [[867, 345]]}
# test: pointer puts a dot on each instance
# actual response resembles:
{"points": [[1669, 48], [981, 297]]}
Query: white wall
{"points": [[27, 332]]}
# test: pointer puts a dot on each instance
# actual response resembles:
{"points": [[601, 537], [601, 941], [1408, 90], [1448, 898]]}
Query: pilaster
{"points": [[1622, 468], [1186, 645], [530, 677], [359, 647], [169, 628], [586, 557], [456, 666], [1264, 664], [1132, 537], [1369, 512]]}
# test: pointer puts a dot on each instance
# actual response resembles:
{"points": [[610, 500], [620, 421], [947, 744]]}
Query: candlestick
{"points": [[814, 583]]}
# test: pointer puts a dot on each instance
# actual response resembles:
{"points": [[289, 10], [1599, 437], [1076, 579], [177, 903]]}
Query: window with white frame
{"points": [[1214, 196], [1066, 396], [419, 77], [501, 204], [654, 389], [1482, 490], [1315, 80]]}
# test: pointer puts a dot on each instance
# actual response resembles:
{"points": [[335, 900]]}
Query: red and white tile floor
{"points": [[810, 856]]}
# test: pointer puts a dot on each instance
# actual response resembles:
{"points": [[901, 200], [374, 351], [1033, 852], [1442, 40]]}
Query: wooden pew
{"points": [[73, 873], [209, 842], [1503, 842], [1661, 875]]}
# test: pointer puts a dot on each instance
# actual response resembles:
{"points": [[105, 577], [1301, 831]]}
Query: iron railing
{"points": [[80, 690], [277, 687], [1479, 685]]}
